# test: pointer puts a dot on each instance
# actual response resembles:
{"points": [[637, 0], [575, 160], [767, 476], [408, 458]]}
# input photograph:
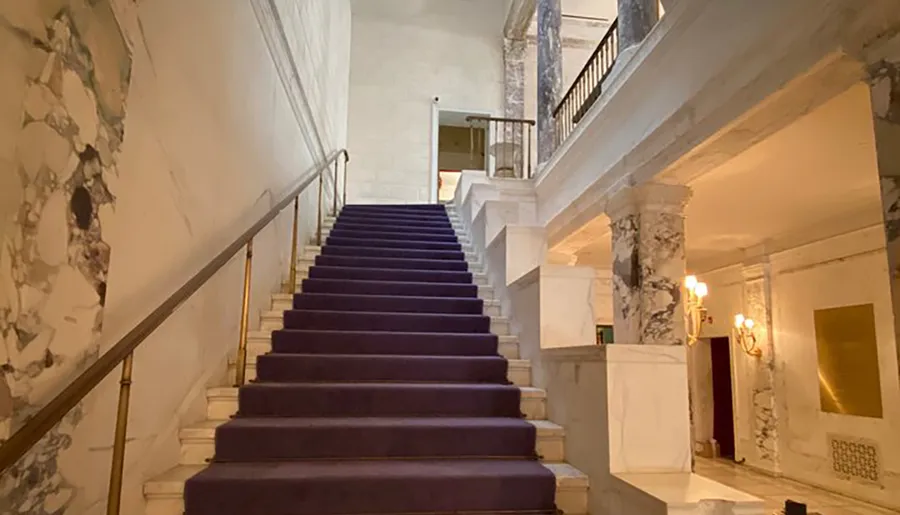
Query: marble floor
{"points": [[775, 490]]}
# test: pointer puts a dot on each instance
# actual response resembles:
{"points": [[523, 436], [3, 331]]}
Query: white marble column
{"points": [[514, 77], [549, 75], [884, 83], [636, 18], [648, 264], [757, 305]]}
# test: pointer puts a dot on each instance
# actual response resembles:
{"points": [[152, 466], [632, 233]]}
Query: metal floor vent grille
{"points": [[855, 459]]}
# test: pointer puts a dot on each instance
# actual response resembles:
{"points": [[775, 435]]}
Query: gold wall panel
{"points": [[849, 382]]}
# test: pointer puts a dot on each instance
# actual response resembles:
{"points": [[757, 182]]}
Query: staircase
{"points": [[390, 385]]}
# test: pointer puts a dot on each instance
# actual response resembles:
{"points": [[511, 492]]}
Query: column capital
{"points": [[755, 271], [651, 197]]}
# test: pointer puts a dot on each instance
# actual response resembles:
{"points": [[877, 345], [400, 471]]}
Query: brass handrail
{"points": [[122, 352]]}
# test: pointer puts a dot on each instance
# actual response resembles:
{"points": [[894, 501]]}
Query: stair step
{"points": [[358, 273], [378, 400], [246, 439], [387, 303], [364, 342], [449, 255], [390, 322], [392, 244], [303, 368], [386, 321], [389, 274], [380, 228], [518, 371], [469, 255], [314, 285], [198, 444], [222, 402], [391, 263], [165, 492], [378, 486], [399, 235], [396, 219]]}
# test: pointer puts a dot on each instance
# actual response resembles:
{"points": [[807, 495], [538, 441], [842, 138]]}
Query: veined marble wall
{"points": [[64, 79], [777, 399], [218, 125]]}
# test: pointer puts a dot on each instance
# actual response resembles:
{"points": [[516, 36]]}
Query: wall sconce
{"points": [[695, 313], [743, 333]]}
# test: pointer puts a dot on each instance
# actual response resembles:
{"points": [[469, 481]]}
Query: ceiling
{"points": [[455, 15], [812, 180]]}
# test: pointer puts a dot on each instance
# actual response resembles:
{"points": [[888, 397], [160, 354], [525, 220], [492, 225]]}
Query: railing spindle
{"points": [[319, 214], [241, 362], [346, 164], [292, 283], [334, 209], [116, 469]]}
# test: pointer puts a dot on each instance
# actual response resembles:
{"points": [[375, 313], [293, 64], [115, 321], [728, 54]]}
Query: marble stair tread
{"points": [[171, 482], [207, 429], [686, 489], [282, 301], [260, 342], [222, 402]]}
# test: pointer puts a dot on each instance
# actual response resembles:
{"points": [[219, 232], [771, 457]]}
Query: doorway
{"points": [[455, 146], [723, 407]]}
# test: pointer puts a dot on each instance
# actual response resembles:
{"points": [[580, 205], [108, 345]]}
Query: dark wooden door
{"points": [[723, 412]]}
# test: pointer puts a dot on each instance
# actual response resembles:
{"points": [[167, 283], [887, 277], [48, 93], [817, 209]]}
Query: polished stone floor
{"points": [[775, 490]]}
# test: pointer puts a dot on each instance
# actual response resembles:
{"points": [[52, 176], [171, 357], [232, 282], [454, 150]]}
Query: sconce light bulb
{"points": [[701, 290], [690, 282], [739, 320], [748, 323]]}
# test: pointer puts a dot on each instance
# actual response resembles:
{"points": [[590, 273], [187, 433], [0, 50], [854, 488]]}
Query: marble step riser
{"points": [[257, 346], [570, 501], [274, 322], [199, 449], [223, 408], [309, 252], [484, 292], [461, 233], [492, 310], [518, 374], [464, 241], [479, 279], [306, 261]]}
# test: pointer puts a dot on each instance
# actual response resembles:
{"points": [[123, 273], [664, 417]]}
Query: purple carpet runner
{"points": [[384, 394]]}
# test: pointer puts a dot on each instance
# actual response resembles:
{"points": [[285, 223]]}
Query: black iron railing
{"points": [[586, 88]]}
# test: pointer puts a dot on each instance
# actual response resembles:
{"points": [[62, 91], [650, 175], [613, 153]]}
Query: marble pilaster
{"points": [[757, 305], [549, 75], [636, 19], [884, 87], [514, 77], [514, 102], [647, 225]]}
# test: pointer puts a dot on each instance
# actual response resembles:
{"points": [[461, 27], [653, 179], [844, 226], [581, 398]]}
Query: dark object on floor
{"points": [[794, 508]]}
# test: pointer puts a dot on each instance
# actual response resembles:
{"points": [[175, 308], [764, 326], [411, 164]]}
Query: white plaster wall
{"points": [[212, 136], [402, 57], [842, 271]]}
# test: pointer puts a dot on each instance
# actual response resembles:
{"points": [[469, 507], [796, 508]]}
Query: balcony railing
{"points": [[508, 141], [586, 88]]}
